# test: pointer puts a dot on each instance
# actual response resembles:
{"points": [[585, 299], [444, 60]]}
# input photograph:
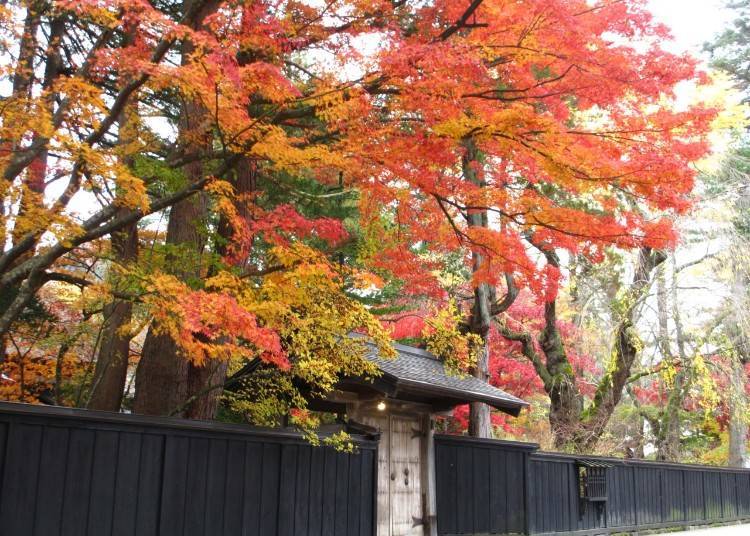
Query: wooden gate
{"points": [[400, 509]]}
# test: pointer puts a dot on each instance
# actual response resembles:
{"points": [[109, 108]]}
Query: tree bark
{"points": [[206, 402], [738, 418], [162, 372], [666, 428], [480, 424], [573, 427], [626, 351], [739, 410], [162, 384], [110, 374]]}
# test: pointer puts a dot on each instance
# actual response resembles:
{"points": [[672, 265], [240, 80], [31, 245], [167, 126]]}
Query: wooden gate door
{"points": [[399, 475], [406, 488]]}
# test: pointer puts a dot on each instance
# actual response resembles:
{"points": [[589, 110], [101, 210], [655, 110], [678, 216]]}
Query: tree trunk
{"points": [[667, 433], [626, 351], [23, 80], [205, 382], [110, 374], [738, 419], [566, 402], [162, 377], [480, 424], [739, 410], [162, 373], [161, 384]]}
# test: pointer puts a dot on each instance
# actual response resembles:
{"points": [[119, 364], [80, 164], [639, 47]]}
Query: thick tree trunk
{"points": [[205, 382], [626, 351], [566, 402], [161, 384], [480, 424], [162, 377], [162, 373], [110, 374]]}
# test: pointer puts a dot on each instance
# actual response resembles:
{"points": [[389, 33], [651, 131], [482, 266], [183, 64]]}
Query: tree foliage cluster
{"points": [[203, 198]]}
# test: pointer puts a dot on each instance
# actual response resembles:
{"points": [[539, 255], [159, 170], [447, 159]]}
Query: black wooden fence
{"points": [[76, 473], [498, 487]]}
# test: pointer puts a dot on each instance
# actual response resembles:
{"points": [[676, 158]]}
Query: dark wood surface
{"points": [[498, 487], [82, 473]]}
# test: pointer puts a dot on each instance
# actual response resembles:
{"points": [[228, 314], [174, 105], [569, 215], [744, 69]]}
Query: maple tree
{"points": [[493, 138], [561, 138]]}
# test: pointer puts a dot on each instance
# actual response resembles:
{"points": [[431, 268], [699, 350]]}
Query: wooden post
{"points": [[527, 492], [635, 495], [428, 476]]}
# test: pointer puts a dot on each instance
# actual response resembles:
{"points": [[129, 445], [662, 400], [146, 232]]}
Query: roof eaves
{"points": [[501, 403]]}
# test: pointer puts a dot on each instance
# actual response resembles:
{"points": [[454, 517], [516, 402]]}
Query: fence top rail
{"points": [[60, 414], [572, 458], [489, 443], [536, 454]]}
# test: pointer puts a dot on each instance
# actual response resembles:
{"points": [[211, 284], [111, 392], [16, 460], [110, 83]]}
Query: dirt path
{"points": [[731, 530]]}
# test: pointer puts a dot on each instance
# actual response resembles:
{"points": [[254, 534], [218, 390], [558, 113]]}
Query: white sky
{"points": [[693, 22]]}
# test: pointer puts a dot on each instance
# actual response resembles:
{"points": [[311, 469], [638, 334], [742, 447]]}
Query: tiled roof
{"points": [[417, 370]]}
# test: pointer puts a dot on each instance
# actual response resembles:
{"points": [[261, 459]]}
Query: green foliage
{"points": [[730, 51]]}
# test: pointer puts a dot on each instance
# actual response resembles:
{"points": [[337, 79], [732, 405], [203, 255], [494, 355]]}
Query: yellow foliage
{"points": [[458, 350]]}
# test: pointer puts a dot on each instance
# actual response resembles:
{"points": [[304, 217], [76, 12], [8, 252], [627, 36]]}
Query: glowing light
{"points": [[381, 406]]}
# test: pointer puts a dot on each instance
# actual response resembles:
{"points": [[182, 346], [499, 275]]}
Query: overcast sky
{"points": [[693, 22]]}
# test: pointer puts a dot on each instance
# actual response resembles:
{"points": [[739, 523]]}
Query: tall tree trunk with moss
{"points": [[162, 376], [480, 424], [205, 382], [667, 427], [626, 350], [573, 426], [110, 373]]}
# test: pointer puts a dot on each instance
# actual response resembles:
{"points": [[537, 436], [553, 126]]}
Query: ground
{"points": [[730, 530]]}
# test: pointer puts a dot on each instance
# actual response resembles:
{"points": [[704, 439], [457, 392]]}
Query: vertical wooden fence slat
{"points": [[234, 493], [195, 487], [254, 463], [367, 492], [481, 480], [216, 485], [150, 483], [464, 492], [78, 483], [342, 488], [172, 519], [317, 469], [353, 504], [269, 501], [51, 480], [329, 494], [103, 484], [126, 486], [20, 479], [287, 490], [302, 493], [498, 496]]}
